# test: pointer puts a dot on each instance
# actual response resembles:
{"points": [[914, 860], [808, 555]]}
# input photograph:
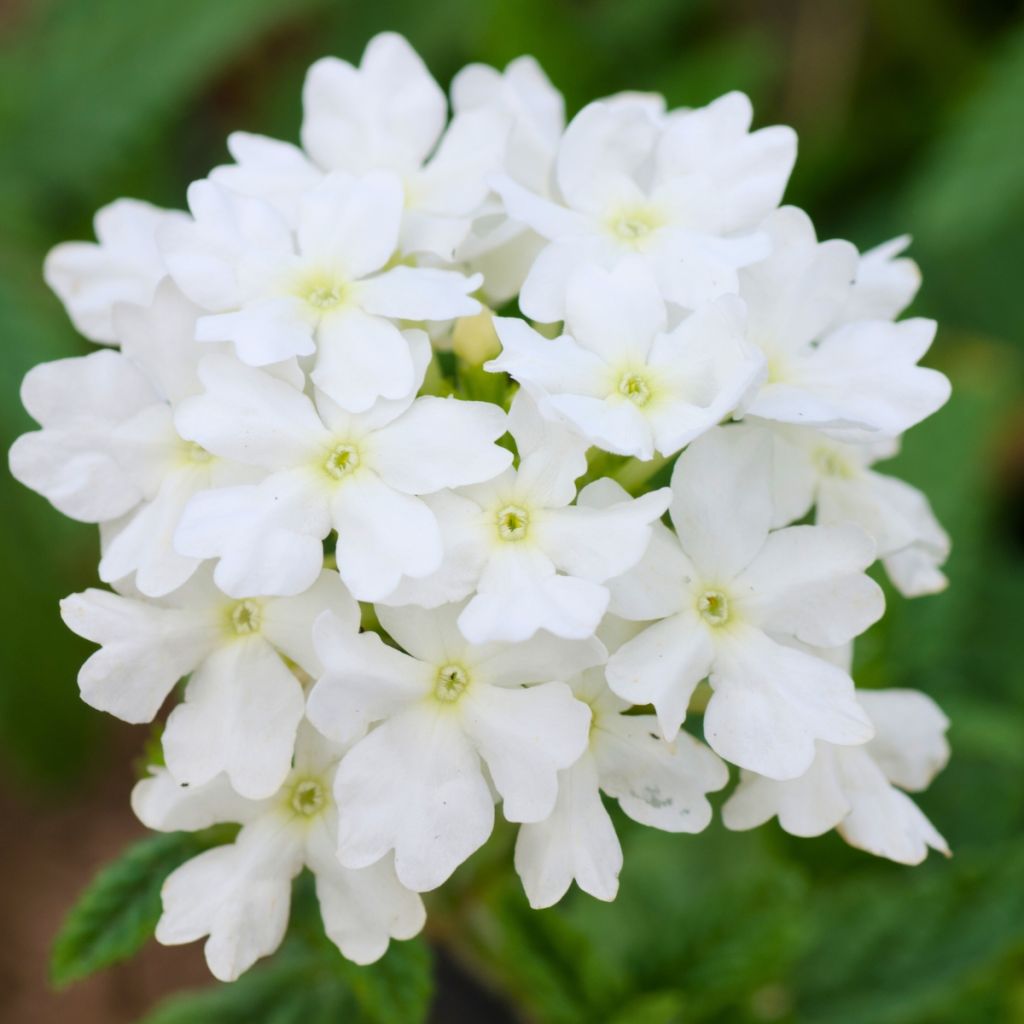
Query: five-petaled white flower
{"points": [[324, 290], [239, 893], [454, 719], [243, 702], [620, 376], [685, 192], [358, 473], [856, 378], [729, 594], [531, 559]]}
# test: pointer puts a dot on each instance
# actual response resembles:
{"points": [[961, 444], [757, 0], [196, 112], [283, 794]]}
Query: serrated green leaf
{"points": [[309, 982], [119, 909]]}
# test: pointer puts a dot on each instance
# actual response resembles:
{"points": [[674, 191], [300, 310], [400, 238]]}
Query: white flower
{"points": [[108, 451], [856, 378], [239, 893], [389, 113], [535, 560], [885, 283], [729, 594], [503, 249], [243, 702], [452, 715], [321, 290], [812, 469], [620, 376], [657, 783], [858, 790], [685, 192], [123, 265], [325, 469]]}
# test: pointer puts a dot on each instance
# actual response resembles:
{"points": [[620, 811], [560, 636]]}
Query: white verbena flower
{"points": [[858, 791], [358, 473], [390, 114], [451, 716], [324, 289], [856, 378], [243, 702], [812, 469], [239, 893], [620, 375], [534, 560], [729, 594], [123, 265], [109, 452], [657, 783], [685, 192]]}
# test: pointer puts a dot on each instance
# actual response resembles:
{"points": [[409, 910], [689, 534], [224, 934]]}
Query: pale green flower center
{"points": [[196, 452], [343, 459], [513, 522], [308, 797], [246, 617], [713, 606], [631, 226], [831, 463], [451, 683], [635, 387], [325, 295]]}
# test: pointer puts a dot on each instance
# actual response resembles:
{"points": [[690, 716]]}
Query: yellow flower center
{"points": [[713, 606], [451, 683], [635, 387], [308, 797], [343, 459], [513, 522], [246, 617]]}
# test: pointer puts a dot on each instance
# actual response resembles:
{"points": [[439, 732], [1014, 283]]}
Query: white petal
{"points": [[601, 543], [577, 841], [388, 112], [144, 650], [526, 736], [362, 909], [241, 710], [441, 442], [657, 783], [415, 786], [771, 703], [237, 894], [519, 593], [124, 267], [882, 820], [362, 358], [72, 461], [161, 803], [806, 806], [885, 284], [615, 314], [382, 536], [808, 582], [287, 622], [251, 417], [721, 501], [267, 536], [351, 224], [662, 666], [420, 293], [555, 365], [910, 743], [364, 680], [266, 331]]}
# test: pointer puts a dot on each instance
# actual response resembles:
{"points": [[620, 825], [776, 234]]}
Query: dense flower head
{"points": [[491, 460]]}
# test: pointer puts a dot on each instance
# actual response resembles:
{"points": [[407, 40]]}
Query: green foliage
{"points": [[119, 910], [309, 982]]}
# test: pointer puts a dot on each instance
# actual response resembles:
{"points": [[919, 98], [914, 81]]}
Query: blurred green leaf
{"points": [[119, 910]]}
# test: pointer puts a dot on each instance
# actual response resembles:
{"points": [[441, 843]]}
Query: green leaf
{"points": [[119, 910], [309, 982]]}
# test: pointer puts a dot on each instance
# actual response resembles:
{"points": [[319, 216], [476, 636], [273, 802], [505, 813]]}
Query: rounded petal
{"points": [[526, 736]]}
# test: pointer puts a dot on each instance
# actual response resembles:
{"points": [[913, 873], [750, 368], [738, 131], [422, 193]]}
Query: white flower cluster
{"points": [[261, 451]]}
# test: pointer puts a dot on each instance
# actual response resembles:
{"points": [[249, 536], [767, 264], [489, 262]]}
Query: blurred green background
{"points": [[910, 119]]}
